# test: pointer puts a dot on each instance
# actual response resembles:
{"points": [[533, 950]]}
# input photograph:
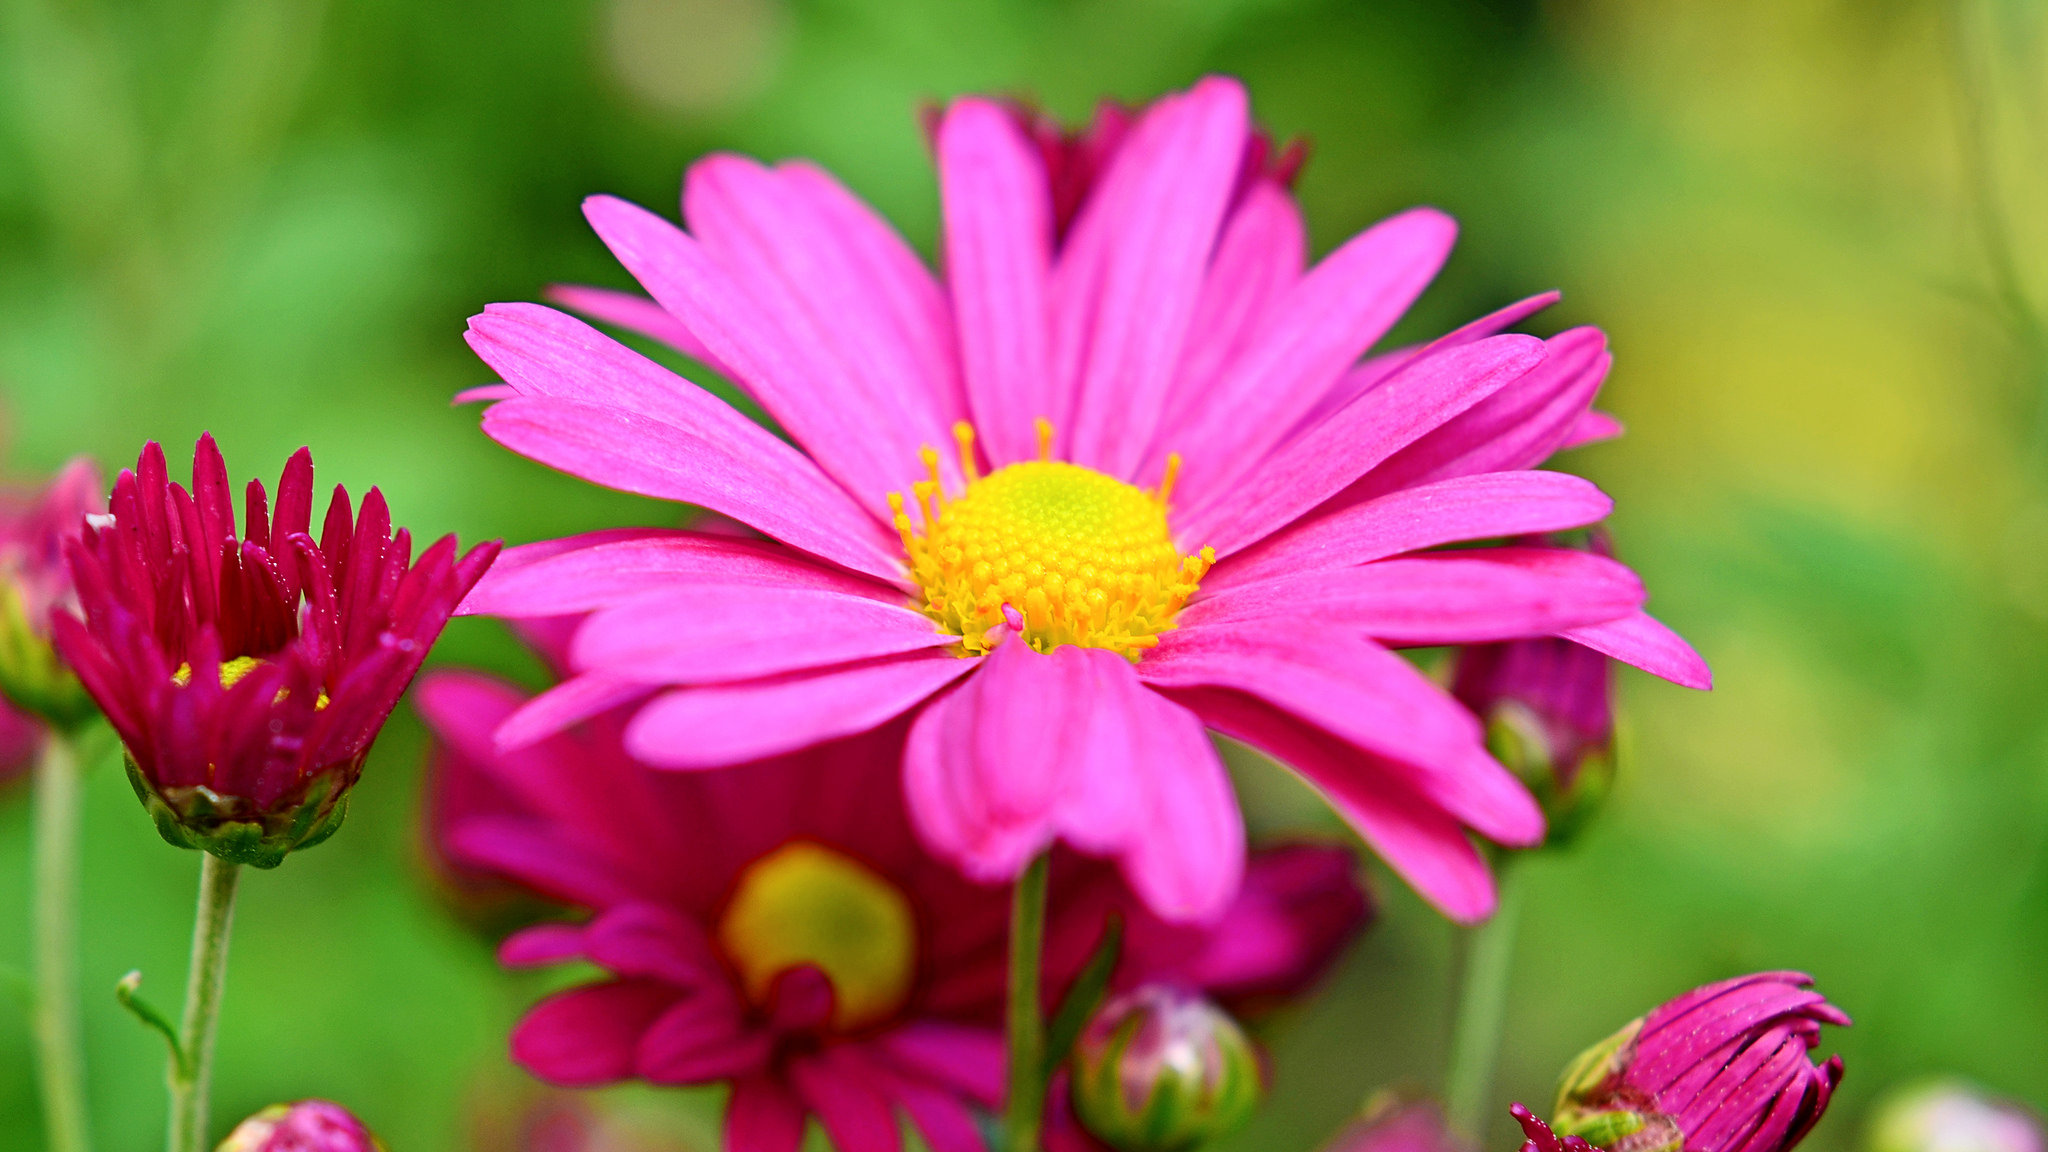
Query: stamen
{"points": [[963, 441], [1044, 427], [1165, 493]]}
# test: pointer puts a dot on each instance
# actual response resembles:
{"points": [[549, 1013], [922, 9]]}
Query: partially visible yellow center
{"points": [[806, 904], [1082, 558], [231, 673]]}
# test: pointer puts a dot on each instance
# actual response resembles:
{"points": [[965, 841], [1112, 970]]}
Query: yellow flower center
{"points": [[1082, 558], [806, 904]]}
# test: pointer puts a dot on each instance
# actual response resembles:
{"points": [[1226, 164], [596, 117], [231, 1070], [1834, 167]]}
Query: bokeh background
{"points": [[1816, 230]]}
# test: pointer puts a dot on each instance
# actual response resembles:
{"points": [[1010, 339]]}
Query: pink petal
{"points": [[1466, 596], [588, 1035], [1258, 259], [763, 1116], [724, 724], [1187, 862], [519, 851], [704, 1037], [711, 633], [589, 578], [650, 940], [841, 431], [1319, 463], [1363, 695], [1134, 266], [998, 222], [636, 453], [855, 1114], [1416, 839], [484, 392], [1643, 641], [541, 944], [1329, 318], [572, 701], [1447, 512], [1519, 426], [968, 1059], [1591, 428], [635, 313], [786, 241]]}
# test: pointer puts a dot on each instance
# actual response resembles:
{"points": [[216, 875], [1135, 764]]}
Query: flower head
{"points": [[307, 1126], [1722, 1068], [1117, 480], [249, 676], [34, 583], [1952, 1116], [779, 926], [1393, 1123], [1159, 1069]]}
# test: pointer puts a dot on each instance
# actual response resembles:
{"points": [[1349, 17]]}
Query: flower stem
{"points": [[1482, 1001], [1025, 1110], [191, 1078], [60, 1055]]}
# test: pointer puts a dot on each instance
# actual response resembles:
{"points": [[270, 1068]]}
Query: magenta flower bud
{"points": [[34, 582], [248, 677], [1159, 1070], [307, 1126], [1950, 1116], [1393, 1124], [1724, 1068], [1548, 707]]}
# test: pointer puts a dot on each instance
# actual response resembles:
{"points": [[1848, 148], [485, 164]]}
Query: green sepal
{"points": [[234, 829], [1600, 1129]]}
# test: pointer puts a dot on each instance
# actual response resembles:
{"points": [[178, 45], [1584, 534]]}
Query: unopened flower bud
{"points": [[1548, 709], [34, 581], [1950, 1116], [307, 1126], [1722, 1068], [1159, 1070]]}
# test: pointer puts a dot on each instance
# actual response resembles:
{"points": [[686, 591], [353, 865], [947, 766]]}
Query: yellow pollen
{"points": [[231, 673], [1082, 558], [806, 904]]}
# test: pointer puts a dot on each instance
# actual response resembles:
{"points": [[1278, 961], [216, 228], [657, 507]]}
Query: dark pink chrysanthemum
{"points": [[34, 583], [1724, 1068], [1100, 489], [780, 927], [248, 676]]}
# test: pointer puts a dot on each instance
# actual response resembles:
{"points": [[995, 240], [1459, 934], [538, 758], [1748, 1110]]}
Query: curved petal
{"points": [[763, 1116], [966, 1059], [704, 1037], [719, 725], [540, 945], [635, 313], [1642, 640], [1186, 862], [1466, 596], [713, 633], [792, 249], [998, 227], [636, 453], [586, 579], [1131, 272], [1325, 323], [1591, 427], [588, 1035], [1323, 460], [1417, 839], [1447, 512], [1363, 695], [848, 1101], [572, 701], [780, 371], [519, 851]]}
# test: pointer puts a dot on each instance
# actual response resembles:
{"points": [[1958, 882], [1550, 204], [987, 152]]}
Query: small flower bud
{"points": [[1548, 709], [1950, 1116], [307, 1126], [1722, 1068], [33, 582], [1159, 1070]]}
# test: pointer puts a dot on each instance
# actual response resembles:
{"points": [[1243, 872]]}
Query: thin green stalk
{"points": [[60, 1054], [1482, 1001], [191, 1078], [1025, 1111]]}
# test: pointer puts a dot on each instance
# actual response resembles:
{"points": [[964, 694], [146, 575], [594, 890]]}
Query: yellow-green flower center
{"points": [[1082, 557], [806, 904]]}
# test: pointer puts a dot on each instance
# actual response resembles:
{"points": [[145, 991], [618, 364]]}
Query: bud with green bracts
{"points": [[1162, 1070], [307, 1126]]}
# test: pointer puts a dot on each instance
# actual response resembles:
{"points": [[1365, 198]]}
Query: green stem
{"points": [[191, 1078], [1025, 1111], [1482, 1001], [60, 1055]]}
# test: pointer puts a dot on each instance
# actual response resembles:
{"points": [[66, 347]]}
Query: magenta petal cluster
{"points": [[307, 1126], [35, 582], [1129, 427], [1724, 1068], [704, 892], [248, 672]]}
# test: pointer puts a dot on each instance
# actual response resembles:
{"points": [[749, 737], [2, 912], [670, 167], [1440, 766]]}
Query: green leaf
{"points": [[1084, 997]]}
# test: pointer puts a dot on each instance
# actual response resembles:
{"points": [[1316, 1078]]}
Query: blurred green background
{"points": [[1814, 229]]}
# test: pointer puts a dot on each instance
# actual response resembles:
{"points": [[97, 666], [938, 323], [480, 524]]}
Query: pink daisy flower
{"points": [[1107, 486], [781, 928]]}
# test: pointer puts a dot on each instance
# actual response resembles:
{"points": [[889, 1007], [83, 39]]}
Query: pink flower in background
{"points": [[1119, 479], [307, 1126], [1724, 1068], [249, 677], [780, 927], [34, 582]]}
